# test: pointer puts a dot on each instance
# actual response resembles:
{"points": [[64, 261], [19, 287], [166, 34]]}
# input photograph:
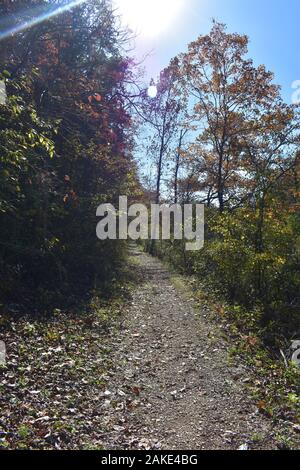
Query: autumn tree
{"points": [[268, 153], [225, 93], [71, 74], [242, 159]]}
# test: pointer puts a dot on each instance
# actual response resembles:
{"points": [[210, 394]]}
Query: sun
{"points": [[152, 91], [149, 18]]}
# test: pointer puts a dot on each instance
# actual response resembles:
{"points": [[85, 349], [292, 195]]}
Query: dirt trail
{"points": [[171, 386]]}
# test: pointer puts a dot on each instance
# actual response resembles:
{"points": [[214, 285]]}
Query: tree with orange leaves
{"points": [[226, 93]]}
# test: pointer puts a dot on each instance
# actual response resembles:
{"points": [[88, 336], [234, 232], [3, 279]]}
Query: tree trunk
{"points": [[177, 167]]}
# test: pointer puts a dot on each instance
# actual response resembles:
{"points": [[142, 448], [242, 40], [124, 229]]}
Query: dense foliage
{"points": [[66, 145], [237, 150], [218, 132]]}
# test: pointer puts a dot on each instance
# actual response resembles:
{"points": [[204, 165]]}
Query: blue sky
{"points": [[272, 27]]}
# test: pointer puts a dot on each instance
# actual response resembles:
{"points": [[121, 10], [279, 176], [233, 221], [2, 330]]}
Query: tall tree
{"points": [[71, 72], [225, 93], [162, 118]]}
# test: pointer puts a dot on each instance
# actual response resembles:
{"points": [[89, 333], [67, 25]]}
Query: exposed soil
{"points": [[149, 373], [172, 384]]}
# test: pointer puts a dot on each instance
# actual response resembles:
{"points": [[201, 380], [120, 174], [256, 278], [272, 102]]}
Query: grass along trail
{"points": [[171, 386], [146, 372]]}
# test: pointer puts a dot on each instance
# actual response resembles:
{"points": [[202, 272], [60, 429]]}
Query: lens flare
{"points": [[38, 16], [152, 91], [148, 18]]}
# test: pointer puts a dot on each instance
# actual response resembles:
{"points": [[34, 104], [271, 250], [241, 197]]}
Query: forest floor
{"points": [[152, 372], [184, 393]]}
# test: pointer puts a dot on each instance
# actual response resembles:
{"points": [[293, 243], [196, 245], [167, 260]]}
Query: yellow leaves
{"points": [[280, 260], [32, 140], [52, 336]]}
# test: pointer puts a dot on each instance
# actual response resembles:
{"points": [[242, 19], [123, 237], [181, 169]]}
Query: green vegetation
{"points": [[236, 150], [218, 133], [238, 155], [65, 140]]}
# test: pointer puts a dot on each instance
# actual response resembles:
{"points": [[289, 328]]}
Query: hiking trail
{"points": [[170, 383]]}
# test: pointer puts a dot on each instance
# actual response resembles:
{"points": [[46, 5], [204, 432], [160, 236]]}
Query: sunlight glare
{"points": [[152, 91], [148, 18], [40, 13]]}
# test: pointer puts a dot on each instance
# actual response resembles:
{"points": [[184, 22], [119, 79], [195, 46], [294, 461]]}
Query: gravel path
{"points": [[171, 386]]}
